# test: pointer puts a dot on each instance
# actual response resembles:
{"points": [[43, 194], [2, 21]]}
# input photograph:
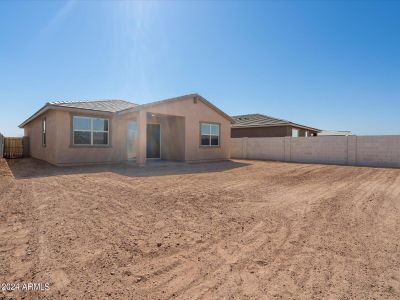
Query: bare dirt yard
{"points": [[229, 230]]}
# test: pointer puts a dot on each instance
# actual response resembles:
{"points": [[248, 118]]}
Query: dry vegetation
{"points": [[241, 230]]}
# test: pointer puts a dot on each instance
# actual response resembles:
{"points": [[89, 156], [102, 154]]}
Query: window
{"points": [[306, 134], [90, 131], [295, 132], [209, 134], [44, 132]]}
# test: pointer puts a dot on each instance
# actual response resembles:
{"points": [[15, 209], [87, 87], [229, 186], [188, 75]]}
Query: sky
{"points": [[327, 64]]}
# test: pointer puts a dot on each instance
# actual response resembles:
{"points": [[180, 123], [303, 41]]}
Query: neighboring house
{"points": [[334, 133], [258, 125], [186, 128]]}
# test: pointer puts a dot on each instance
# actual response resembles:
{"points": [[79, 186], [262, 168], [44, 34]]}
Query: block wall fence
{"points": [[376, 151]]}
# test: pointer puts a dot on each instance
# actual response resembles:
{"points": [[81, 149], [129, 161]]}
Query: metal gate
{"points": [[13, 147]]}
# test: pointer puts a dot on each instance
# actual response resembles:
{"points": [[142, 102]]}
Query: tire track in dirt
{"points": [[16, 236], [51, 271], [330, 206], [284, 241], [266, 230], [253, 238]]}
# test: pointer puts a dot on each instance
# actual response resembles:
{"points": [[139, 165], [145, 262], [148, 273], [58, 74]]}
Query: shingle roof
{"points": [[257, 120], [260, 120], [98, 105]]}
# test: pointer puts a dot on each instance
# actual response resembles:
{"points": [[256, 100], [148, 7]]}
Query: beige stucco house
{"points": [[186, 128]]}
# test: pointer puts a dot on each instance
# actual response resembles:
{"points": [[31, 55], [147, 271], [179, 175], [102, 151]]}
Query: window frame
{"points": [[44, 132], [210, 134], [91, 130]]}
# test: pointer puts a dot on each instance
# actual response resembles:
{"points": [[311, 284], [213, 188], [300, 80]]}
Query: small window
{"points": [[44, 141], [90, 131], [209, 134], [295, 132], [306, 134]]}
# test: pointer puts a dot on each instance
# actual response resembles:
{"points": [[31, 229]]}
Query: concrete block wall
{"points": [[380, 151], [237, 147], [287, 148], [262, 148], [352, 150], [322, 149]]}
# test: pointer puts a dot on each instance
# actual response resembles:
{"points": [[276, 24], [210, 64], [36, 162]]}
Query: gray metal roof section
{"points": [[98, 105], [260, 120], [111, 106]]}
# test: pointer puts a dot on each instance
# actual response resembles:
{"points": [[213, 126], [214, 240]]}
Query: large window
{"points": [[209, 134], [295, 132], [90, 131], [44, 132]]}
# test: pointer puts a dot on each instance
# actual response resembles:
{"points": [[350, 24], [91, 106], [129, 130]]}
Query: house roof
{"points": [[260, 120], [197, 96], [114, 106], [111, 106], [98, 105]]}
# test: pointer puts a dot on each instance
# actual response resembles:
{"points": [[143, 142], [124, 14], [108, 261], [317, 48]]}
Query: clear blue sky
{"points": [[331, 65]]}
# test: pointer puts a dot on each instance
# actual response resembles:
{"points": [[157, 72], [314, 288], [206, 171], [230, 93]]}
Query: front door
{"points": [[153, 149]]}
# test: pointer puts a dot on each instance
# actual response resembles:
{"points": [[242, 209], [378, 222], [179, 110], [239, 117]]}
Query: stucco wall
{"points": [[172, 136], [59, 149], [348, 150], [271, 131], [69, 154], [180, 135], [34, 131], [194, 113]]}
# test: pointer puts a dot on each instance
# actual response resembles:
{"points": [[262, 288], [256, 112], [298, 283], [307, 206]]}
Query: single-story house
{"points": [[259, 125], [186, 128]]}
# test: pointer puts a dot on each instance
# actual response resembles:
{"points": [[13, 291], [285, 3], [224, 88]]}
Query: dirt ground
{"points": [[229, 230]]}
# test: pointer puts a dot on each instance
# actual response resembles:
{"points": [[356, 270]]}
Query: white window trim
{"points": [[210, 134], [295, 130], [91, 131]]}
